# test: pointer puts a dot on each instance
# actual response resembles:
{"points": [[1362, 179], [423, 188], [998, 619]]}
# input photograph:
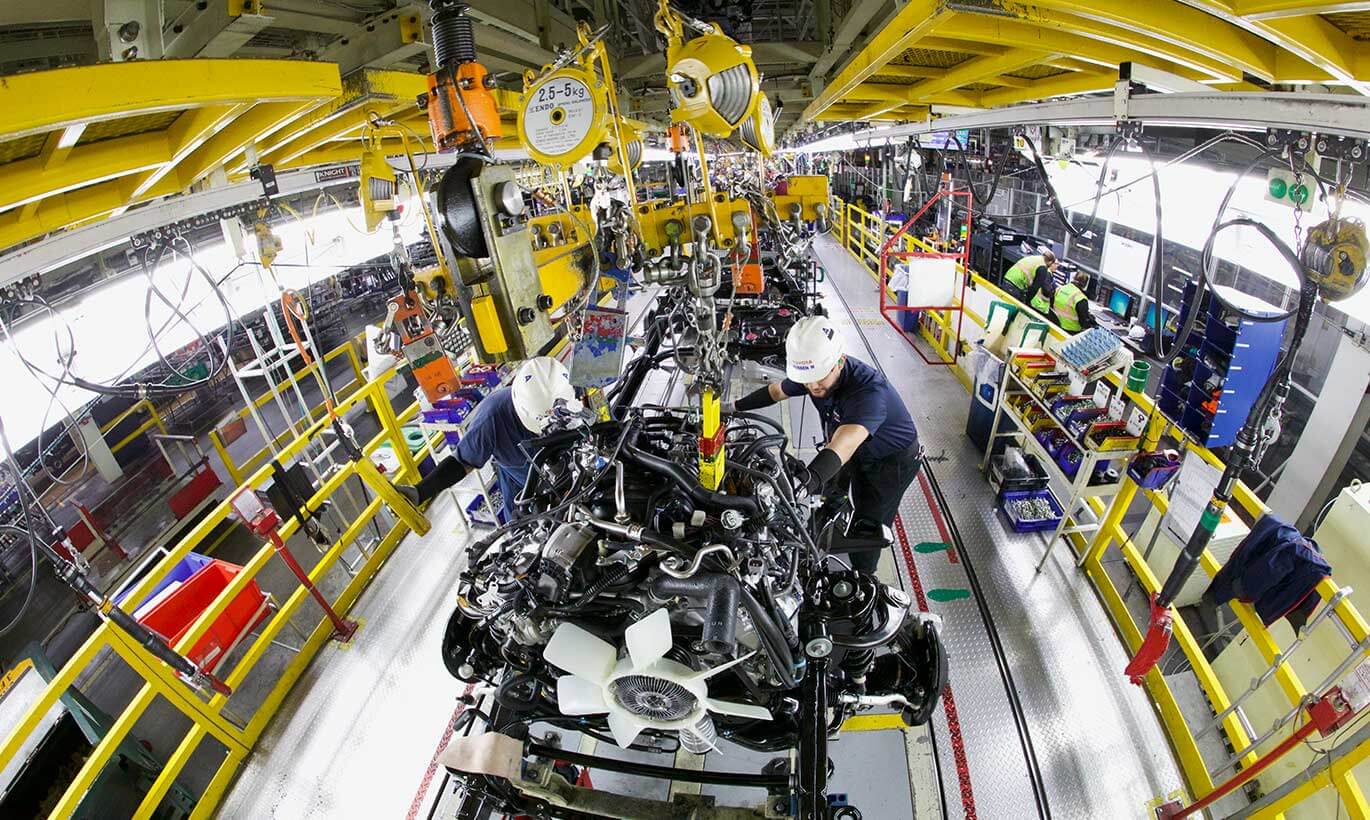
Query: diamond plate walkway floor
{"points": [[1040, 720]]}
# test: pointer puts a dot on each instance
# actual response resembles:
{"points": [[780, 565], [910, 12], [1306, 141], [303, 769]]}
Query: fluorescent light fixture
{"points": [[71, 135]]}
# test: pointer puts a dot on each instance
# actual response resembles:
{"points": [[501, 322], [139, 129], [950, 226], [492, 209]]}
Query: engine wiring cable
{"points": [[994, 183], [29, 530], [54, 398], [1227, 136]]}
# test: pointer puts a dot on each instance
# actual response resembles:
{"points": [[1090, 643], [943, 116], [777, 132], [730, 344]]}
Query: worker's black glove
{"points": [[821, 470]]}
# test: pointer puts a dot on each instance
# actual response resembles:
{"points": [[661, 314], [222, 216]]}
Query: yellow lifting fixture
{"points": [[713, 81]]}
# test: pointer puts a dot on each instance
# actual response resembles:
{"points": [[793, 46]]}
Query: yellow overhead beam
{"points": [[889, 92], [252, 127], [977, 69], [345, 151], [843, 112], [41, 101], [876, 110], [385, 93], [82, 205], [31, 180], [1172, 30], [190, 130], [909, 72], [1319, 43], [1058, 86], [1309, 48], [916, 19], [1273, 9], [1033, 34], [940, 42]]}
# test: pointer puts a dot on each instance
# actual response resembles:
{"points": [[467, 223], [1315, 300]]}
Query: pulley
{"points": [[1334, 257], [377, 189], [758, 131], [564, 116], [632, 147], [713, 81]]}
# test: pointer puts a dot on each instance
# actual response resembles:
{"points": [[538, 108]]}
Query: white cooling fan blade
{"points": [[583, 654], [746, 710], [649, 639], [624, 727], [577, 696]]}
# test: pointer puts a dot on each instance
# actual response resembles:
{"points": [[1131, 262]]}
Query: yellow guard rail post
{"points": [[852, 226], [211, 718]]}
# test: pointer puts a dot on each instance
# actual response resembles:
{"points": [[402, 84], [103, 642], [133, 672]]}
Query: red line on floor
{"points": [[958, 745], [937, 516], [427, 781]]}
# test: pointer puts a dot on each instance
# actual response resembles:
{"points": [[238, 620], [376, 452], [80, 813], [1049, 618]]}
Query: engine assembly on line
{"points": [[630, 601], [665, 580]]}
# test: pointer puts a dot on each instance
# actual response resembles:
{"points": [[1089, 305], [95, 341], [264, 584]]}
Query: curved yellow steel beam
{"points": [[46, 100]]}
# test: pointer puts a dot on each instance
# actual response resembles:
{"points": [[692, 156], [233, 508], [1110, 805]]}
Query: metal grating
{"points": [[280, 37], [1038, 72], [126, 126], [931, 58], [977, 87], [893, 79], [21, 148], [1354, 23]]}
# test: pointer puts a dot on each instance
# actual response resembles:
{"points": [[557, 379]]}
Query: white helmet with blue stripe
{"points": [[812, 349], [539, 386]]}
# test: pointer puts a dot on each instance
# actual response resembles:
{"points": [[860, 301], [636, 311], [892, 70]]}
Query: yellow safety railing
{"points": [[210, 718], [154, 419], [857, 230], [236, 471]]}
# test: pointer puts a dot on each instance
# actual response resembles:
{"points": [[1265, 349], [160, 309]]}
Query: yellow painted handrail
{"points": [[853, 227], [236, 471], [208, 718]]}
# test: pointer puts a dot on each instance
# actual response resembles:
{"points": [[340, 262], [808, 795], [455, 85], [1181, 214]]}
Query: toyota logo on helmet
{"points": [[812, 349]]}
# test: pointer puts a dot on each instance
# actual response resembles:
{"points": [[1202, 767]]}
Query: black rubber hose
{"points": [[772, 641], [718, 593], [687, 482]]}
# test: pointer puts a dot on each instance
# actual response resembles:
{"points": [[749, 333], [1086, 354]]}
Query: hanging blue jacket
{"points": [[1276, 569]]}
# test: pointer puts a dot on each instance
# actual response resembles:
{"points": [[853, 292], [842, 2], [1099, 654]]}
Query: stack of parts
{"points": [[1091, 353]]}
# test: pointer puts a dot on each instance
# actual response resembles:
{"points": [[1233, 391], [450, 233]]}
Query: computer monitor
{"points": [[1120, 302], [1166, 316]]}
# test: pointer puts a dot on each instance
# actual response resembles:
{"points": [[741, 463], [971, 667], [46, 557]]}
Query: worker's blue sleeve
{"points": [[792, 388]]}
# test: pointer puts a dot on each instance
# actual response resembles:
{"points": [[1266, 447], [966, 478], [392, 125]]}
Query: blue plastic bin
{"points": [[1031, 525], [188, 566]]}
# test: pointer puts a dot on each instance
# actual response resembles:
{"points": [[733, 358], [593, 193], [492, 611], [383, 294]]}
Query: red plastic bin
{"points": [[172, 616]]}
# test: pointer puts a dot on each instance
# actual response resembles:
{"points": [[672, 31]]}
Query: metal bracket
{"points": [[1338, 147], [1130, 129]]}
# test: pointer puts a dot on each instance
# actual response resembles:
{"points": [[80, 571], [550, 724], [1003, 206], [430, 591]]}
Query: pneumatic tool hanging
{"points": [[478, 207]]}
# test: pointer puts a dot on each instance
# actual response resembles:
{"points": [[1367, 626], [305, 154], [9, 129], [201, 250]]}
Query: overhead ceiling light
{"points": [[71, 135]]}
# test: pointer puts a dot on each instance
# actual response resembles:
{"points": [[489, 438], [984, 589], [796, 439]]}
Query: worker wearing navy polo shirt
{"points": [[499, 428], [872, 444]]}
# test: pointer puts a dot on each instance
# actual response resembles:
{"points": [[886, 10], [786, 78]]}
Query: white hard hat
{"points": [[812, 349], [538, 385]]}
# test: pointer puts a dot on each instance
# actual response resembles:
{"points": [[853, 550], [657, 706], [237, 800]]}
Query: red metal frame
{"points": [[963, 257]]}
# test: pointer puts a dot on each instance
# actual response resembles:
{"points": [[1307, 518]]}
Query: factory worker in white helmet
{"points": [[871, 451], [500, 425]]}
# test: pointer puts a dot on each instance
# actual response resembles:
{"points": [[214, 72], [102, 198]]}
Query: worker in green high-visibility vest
{"points": [[1029, 280], [1070, 306]]}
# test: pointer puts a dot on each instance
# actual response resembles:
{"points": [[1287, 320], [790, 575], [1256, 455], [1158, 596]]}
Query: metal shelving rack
{"points": [[1078, 490]]}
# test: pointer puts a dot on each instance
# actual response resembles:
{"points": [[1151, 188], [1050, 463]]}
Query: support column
{"points": [[1325, 443]]}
